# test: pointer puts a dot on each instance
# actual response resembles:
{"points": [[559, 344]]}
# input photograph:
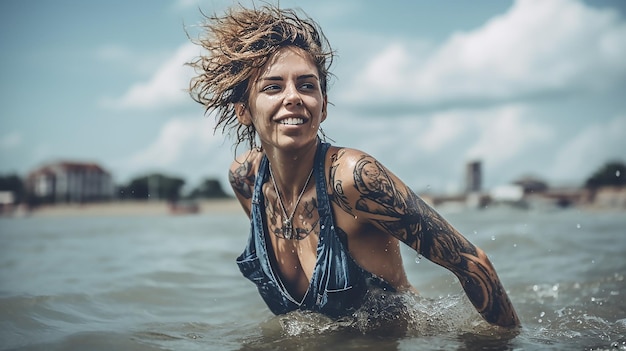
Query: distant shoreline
{"points": [[606, 199], [130, 208]]}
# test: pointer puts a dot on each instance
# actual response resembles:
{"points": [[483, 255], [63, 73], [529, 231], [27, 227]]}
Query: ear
{"points": [[325, 108], [243, 114]]}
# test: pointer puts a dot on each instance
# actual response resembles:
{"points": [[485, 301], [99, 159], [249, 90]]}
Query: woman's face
{"points": [[286, 105]]}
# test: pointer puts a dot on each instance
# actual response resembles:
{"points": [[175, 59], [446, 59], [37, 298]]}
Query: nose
{"points": [[292, 96]]}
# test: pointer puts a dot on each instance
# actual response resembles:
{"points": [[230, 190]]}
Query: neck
{"points": [[291, 169]]}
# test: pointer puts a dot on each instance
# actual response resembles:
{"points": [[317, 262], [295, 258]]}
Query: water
{"points": [[170, 283]]}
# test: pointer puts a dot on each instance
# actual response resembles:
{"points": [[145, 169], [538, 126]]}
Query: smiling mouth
{"points": [[294, 121]]}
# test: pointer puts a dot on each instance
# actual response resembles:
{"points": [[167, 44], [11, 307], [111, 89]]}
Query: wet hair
{"points": [[237, 45]]}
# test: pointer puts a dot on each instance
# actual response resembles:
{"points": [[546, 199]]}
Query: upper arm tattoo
{"points": [[399, 211], [242, 179]]}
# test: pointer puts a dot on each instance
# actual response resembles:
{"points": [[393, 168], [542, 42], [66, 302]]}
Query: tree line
{"points": [[168, 188]]}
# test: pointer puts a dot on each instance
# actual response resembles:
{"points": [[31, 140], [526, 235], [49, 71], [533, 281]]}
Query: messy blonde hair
{"points": [[238, 44]]}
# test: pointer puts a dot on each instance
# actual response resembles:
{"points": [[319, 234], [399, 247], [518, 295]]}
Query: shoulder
{"points": [[242, 173], [250, 158], [354, 175], [344, 156], [342, 163], [352, 165]]}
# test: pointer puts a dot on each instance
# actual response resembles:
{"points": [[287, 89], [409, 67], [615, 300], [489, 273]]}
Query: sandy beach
{"points": [[131, 208]]}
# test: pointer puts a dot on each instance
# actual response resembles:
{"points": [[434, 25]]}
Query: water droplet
{"points": [[322, 227], [514, 245], [475, 232], [418, 258], [577, 225], [493, 237], [618, 173], [542, 314]]}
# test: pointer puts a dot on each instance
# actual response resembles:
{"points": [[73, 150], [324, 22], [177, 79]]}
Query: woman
{"points": [[327, 221]]}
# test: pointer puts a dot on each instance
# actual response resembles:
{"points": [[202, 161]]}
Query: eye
{"points": [[271, 88], [307, 86]]}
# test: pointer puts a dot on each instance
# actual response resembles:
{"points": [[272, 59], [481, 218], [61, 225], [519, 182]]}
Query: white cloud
{"points": [[184, 146], [441, 130], [590, 148], [537, 47], [504, 133], [10, 141], [390, 64], [177, 137], [165, 88]]}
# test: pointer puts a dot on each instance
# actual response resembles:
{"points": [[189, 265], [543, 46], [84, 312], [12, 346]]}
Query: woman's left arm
{"points": [[373, 193]]}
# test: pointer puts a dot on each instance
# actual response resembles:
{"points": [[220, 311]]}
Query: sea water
{"points": [[171, 283]]}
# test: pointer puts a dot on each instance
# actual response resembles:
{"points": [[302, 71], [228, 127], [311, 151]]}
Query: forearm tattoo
{"points": [[397, 210], [242, 179]]}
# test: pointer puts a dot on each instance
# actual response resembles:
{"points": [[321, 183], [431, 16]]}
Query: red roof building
{"points": [[70, 182]]}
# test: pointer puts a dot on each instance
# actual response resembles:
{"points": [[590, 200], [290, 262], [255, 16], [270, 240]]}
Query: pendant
{"points": [[287, 229]]}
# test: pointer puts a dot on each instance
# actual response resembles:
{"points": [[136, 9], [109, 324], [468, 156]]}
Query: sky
{"points": [[528, 87]]}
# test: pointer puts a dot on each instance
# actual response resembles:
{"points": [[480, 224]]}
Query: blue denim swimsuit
{"points": [[338, 284]]}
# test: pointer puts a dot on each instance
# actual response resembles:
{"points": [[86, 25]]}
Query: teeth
{"points": [[292, 121]]}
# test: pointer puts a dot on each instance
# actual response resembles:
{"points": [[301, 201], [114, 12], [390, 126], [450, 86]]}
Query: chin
{"points": [[296, 142]]}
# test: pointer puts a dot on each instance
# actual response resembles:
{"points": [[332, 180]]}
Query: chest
{"points": [[293, 236]]}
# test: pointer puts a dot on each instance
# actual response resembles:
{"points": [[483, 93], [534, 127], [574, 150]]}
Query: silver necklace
{"points": [[288, 231]]}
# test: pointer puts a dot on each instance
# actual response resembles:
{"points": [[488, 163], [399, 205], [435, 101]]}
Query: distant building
{"points": [[531, 185], [473, 177], [510, 193], [70, 182]]}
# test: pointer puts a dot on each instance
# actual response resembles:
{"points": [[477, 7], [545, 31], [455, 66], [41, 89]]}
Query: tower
{"points": [[473, 177]]}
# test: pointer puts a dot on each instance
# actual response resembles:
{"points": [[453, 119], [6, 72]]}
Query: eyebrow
{"points": [[277, 78]]}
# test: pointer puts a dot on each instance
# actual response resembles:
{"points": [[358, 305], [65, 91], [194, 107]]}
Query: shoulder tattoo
{"points": [[242, 179], [338, 196]]}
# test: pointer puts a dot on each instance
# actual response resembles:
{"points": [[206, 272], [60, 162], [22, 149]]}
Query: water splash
{"points": [[385, 314]]}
